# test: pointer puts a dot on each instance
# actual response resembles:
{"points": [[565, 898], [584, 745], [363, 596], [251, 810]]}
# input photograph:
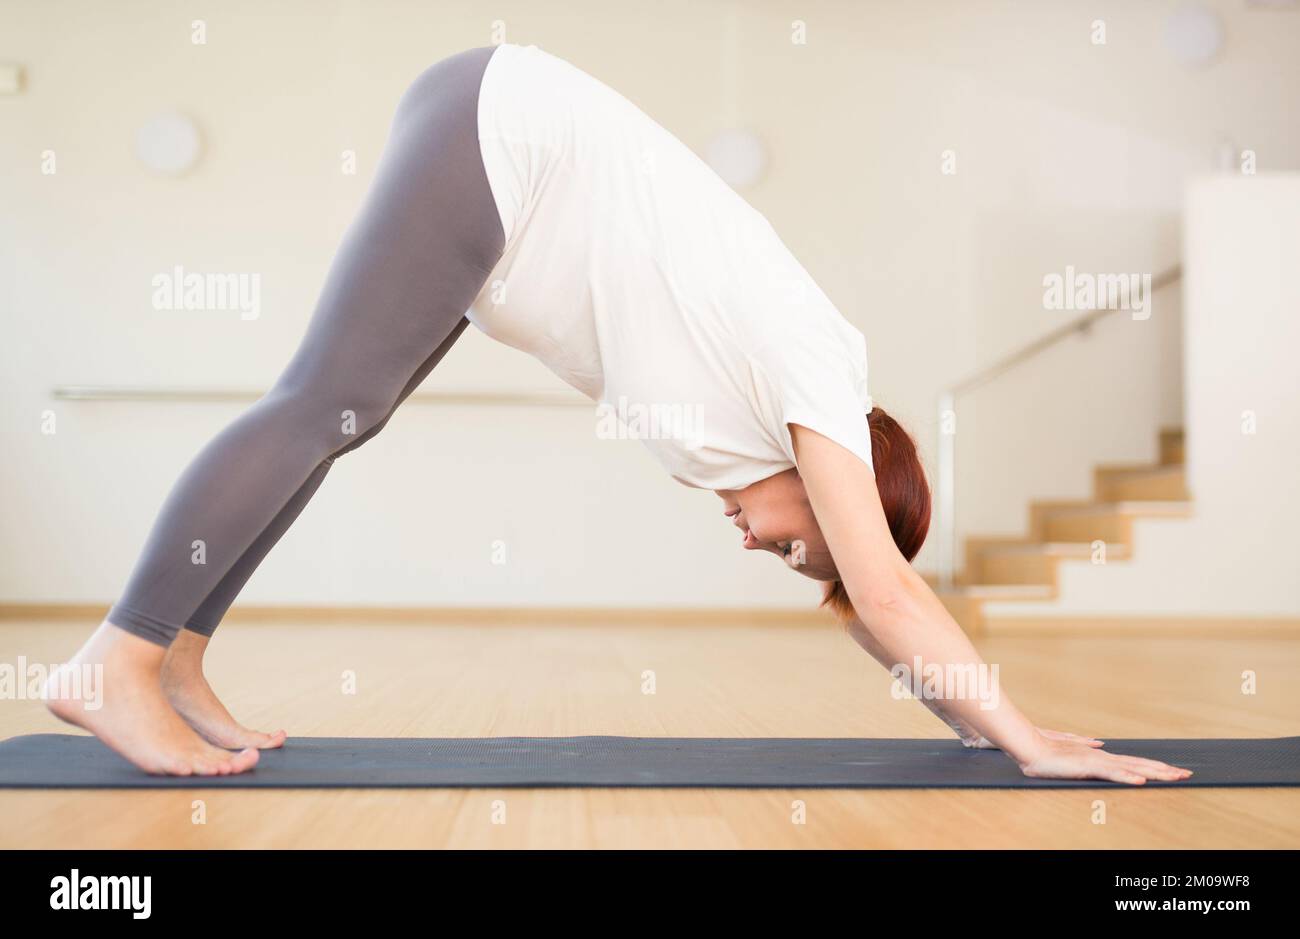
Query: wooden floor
{"points": [[714, 680]]}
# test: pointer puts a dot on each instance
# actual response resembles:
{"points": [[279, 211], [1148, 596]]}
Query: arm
{"points": [[968, 735], [906, 620], [863, 637]]}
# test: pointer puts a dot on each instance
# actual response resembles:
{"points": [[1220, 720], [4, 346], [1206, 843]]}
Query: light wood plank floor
{"points": [[715, 680]]}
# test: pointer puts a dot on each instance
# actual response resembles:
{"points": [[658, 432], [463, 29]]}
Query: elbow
{"points": [[891, 601]]}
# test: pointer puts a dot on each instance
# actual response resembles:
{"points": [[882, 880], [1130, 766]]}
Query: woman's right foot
{"points": [[188, 691], [128, 710]]}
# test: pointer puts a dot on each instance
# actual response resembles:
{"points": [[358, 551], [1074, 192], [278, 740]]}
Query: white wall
{"points": [[1238, 554], [1068, 153]]}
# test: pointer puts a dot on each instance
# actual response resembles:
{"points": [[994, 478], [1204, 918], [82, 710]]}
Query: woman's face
{"points": [[775, 516]]}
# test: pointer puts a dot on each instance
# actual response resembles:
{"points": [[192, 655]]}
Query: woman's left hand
{"points": [[978, 742]]}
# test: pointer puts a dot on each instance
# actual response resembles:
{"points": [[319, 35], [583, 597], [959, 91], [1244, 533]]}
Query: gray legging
{"points": [[393, 304]]}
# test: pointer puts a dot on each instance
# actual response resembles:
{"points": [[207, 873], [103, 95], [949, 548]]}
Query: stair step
{"points": [[1033, 563], [966, 603], [1111, 522], [1111, 527], [1173, 448], [1159, 507], [1055, 549], [1141, 483], [1012, 567], [1009, 568]]}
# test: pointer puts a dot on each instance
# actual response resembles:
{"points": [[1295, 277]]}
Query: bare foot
{"points": [[112, 688], [194, 700]]}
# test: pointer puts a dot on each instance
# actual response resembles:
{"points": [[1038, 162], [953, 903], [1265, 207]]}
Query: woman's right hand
{"points": [[1073, 759], [977, 741]]}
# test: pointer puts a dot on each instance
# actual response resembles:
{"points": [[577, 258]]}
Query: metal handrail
{"points": [[172, 394], [946, 495]]}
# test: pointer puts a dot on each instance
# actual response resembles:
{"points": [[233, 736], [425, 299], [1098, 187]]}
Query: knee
{"points": [[356, 419], [356, 426], [332, 420]]}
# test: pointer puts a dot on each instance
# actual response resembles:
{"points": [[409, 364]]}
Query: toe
{"points": [[244, 760], [218, 761]]}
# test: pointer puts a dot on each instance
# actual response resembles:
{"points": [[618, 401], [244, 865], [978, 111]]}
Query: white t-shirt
{"points": [[640, 278]]}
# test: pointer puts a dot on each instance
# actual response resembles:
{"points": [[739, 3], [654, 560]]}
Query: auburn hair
{"points": [[904, 494]]}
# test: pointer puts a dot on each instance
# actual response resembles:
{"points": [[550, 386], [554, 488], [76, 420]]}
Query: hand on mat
{"points": [[1071, 759], [976, 741]]}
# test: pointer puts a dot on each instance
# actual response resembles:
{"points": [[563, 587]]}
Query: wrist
{"points": [[1027, 747], [964, 731]]}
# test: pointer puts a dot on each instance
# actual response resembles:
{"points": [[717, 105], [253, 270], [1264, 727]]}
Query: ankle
{"points": [[189, 645], [124, 649]]}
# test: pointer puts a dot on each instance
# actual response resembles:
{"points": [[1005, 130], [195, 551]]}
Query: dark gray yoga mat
{"points": [[76, 762]]}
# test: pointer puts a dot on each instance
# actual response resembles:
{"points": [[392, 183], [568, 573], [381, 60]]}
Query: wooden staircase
{"points": [[1005, 568]]}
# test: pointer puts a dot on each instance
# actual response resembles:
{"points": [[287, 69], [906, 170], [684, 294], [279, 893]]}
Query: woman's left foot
{"points": [[190, 694]]}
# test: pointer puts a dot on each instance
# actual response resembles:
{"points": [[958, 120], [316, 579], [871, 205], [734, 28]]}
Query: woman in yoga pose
{"points": [[521, 194]]}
